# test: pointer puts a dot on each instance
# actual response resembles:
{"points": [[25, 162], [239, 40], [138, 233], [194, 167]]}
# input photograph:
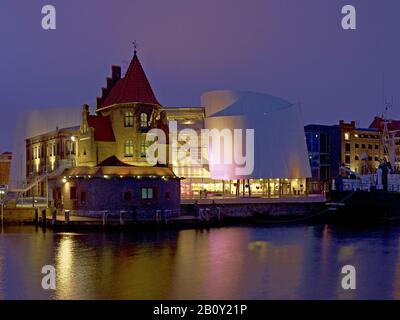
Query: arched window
{"points": [[129, 148], [143, 120], [128, 119]]}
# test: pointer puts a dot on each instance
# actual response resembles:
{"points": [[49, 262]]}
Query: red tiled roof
{"points": [[103, 130], [378, 123], [134, 87]]}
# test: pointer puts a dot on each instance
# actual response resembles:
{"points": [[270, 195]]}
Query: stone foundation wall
{"points": [[19, 215], [267, 209]]}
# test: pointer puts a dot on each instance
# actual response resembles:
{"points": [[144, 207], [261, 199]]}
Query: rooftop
{"points": [[133, 87]]}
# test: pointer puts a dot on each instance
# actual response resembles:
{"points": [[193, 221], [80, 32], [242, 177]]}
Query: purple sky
{"points": [[294, 49]]}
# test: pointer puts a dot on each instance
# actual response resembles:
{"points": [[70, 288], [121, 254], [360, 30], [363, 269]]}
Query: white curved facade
{"points": [[280, 149]]}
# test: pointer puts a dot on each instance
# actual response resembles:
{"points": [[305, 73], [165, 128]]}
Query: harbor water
{"points": [[248, 262]]}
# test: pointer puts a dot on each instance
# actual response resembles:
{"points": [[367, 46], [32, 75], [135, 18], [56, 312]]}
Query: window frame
{"points": [[145, 195], [128, 119], [144, 119], [73, 195], [143, 149], [128, 148], [83, 197]]}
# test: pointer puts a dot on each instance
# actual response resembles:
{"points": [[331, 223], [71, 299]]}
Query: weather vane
{"points": [[135, 45]]}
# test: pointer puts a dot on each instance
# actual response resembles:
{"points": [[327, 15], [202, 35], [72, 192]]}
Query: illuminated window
{"points": [[128, 119], [129, 148], [143, 149], [147, 193], [347, 136], [143, 120]]}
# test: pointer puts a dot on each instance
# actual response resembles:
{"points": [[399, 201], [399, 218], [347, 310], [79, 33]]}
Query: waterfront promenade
{"points": [[193, 211]]}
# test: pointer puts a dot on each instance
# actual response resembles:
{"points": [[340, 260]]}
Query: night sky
{"points": [[295, 49]]}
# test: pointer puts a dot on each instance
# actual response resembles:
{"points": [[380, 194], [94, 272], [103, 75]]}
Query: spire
{"points": [[133, 87]]}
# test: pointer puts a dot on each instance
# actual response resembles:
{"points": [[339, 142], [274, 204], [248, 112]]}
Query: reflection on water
{"points": [[286, 262]]}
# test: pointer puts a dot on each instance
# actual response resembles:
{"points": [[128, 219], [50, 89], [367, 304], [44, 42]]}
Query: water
{"points": [[284, 262]]}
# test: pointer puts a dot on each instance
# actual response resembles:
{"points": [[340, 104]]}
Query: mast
{"points": [[388, 137]]}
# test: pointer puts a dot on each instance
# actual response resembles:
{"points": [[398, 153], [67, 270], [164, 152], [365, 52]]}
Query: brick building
{"points": [[345, 144], [5, 165], [361, 148], [114, 186]]}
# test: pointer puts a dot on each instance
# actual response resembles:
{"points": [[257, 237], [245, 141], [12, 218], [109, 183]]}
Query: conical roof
{"points": [[134, 87]]}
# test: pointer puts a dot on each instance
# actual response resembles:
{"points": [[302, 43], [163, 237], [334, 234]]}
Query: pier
{"points": [[194, 213]]}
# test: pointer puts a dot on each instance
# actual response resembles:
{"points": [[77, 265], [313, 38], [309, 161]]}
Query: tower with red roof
{"points": [[126, 110]]}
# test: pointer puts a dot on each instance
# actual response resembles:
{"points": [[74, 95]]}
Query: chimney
{"points": [[104, 92], [116, 72], [110, 83]]}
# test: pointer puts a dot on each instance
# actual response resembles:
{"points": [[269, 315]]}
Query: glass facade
{"points": [[197, 182]]}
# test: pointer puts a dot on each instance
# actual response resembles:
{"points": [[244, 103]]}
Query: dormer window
{"points": [[128, 119], [143, 120]]}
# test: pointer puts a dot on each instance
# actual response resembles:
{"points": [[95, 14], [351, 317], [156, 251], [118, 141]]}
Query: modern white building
{"points": [[279, 159]]}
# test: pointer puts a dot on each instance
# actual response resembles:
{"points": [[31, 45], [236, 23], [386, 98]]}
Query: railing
{"points": [[36, 179], [367, 182]]}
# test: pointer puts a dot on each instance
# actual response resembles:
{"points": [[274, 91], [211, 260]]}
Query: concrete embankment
{"points": [[18, 215], [250, 207], [193, 213]]}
